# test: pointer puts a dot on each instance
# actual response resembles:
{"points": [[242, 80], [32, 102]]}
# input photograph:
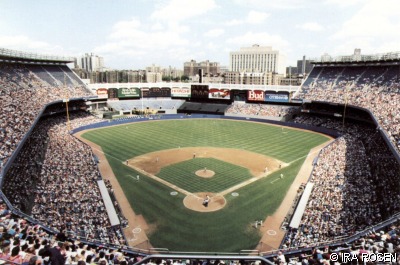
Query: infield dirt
{"points": [[151, 163]]}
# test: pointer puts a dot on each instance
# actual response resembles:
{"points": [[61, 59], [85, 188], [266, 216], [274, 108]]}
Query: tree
{"points": [[166, 78]]}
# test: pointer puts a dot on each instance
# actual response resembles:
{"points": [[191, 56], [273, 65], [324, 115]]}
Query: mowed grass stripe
{"points": [[179, 229], [256, 139], [183, 175]]}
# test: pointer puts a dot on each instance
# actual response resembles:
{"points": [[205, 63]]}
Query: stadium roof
{"points": [[7, 55], [390, 57]]}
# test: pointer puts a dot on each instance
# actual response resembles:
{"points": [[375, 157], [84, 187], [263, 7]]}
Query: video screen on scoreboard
{"points": [[239, 95], [112, 93], [199, 91], [157, 92]]}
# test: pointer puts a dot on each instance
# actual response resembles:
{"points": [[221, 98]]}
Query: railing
{"points": [[205, 257], [34, 56]]}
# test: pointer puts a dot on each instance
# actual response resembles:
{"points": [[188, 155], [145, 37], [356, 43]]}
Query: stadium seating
{"points": [[152, 104], [348, 181], [348, 178], [23, 94], [376, 88], [260, 110]]}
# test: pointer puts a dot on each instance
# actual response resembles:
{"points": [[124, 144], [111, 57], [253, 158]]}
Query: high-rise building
{"points": [[249, 78], [304, 66], [172, 72], [154, 69], [256, 59], [153, 77], [90, 62], [209, 68]]}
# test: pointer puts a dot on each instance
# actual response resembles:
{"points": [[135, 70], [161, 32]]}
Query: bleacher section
{"points": [[375, 87], [151, 104], [23, 94], [196, 107], [52, 177]]}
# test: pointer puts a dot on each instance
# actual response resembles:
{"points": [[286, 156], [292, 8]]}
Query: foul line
{"points": [[187, 193]]}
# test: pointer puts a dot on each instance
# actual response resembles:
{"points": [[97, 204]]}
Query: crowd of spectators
{"points": [[386, 241], [354, 185], [54, 176], [376, 88], [24, 243], [22, 96], [261, 110], [62, 175]]}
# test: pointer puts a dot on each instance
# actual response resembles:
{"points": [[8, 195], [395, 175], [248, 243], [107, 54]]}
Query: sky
{"points": [[134, 34]]}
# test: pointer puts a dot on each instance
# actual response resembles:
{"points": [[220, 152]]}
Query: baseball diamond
{"points": [[237, 152]]}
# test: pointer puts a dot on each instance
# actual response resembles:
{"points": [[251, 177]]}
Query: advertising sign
{"points": [[255, 95], [102, 93], [219, 93], [272, 97], [178, 92], [131, 92]]}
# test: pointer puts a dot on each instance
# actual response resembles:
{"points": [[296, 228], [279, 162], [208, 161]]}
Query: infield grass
{"points": [[178, 228], [183, 175]]}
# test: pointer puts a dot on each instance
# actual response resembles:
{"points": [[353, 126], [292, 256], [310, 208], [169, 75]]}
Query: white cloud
{"points": [[214, 33], [212, 46], [281, 4], [178, 10], [253, 17], [234, 22], [26, 44], [343, 3], [136, 40], [310, 26], [157, 26], [375, 21], [263, 39]]}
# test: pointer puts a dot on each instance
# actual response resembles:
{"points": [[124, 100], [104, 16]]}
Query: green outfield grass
{"points": [[178, 228]]}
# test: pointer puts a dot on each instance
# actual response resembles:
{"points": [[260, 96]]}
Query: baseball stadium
{"points": [[193, 172]]}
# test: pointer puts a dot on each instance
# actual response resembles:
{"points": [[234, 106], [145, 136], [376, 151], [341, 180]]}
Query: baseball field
{"points": [[167, 168]]}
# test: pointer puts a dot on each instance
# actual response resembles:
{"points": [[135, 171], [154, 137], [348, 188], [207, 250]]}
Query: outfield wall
{"points": [[329, 132]]}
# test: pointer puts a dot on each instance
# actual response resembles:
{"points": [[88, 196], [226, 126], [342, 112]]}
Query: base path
{"points": [[259, 165], [135, 232], [271, 228]]}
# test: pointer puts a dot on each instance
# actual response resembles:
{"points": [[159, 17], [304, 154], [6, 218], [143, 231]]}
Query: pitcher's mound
{"points": [[205, 173], [195, 202]]}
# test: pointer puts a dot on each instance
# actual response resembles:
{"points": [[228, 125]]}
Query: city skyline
{"points": [[134, 34]]}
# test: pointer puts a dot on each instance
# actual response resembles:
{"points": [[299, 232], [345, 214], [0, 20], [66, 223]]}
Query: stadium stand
{"points": [[348, 179], [260, 110], [151, 104], [374, 87], [23, 95], [197, 107], [355, 179]]}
